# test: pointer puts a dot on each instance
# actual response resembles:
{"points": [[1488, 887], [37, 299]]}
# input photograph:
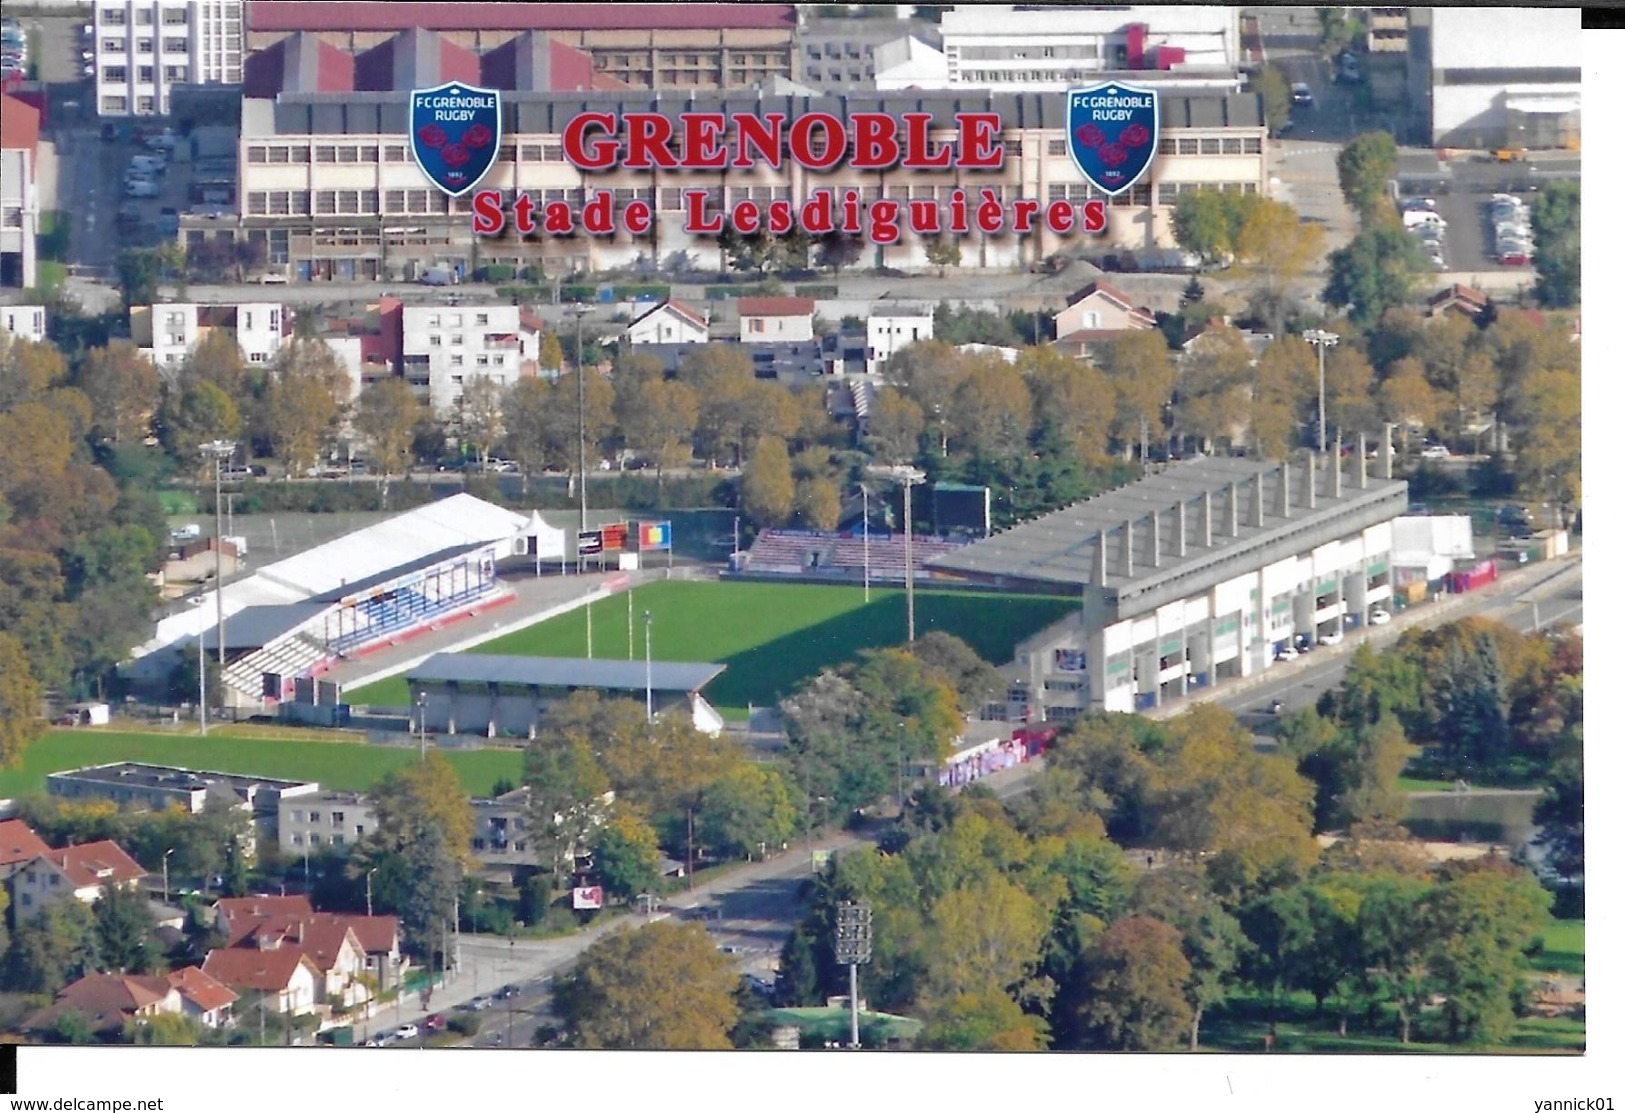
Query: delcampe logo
{"points": [[1112, 132], [456, 129]]}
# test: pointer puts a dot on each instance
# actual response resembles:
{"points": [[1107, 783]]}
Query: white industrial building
{"points": [[23, 322], [889, 334], [1427, 547], [144, 48], [165, 333], [443, 348], [1202, 572], [1510, 78]]}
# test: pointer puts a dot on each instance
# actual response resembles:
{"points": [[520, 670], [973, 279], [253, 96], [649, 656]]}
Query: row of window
{"points": [[144, 75], [144, 46], [120, 105], [316, 840]]}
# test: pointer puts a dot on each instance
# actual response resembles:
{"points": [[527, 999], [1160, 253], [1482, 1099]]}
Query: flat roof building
{"points": [[495, 695], [1200, 572]]}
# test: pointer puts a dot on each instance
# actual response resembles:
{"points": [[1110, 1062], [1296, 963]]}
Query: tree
{"points": [[985, 938], [973, 680], [425, 792], [927, 372], [122, 386], [551, 355], [1274, 242], [308, 392], [663, 988], [20, 700], [837, 249], [1555, 220], [626, 854], [433, 878], [746, 809], [1373, 274], [943, 252], [1068, 399], [992, 409], [1204, 224], [1214, 387], [1548, 437], [477, 416], [986, 1021], [28, 369], [124, 930], [196, 414], [1142, 377], [1561, 817], [656, 417], [52, 949], [1272, 86], [818, 502], [1211, 938], [1485, 915], [1350, 407], [1408, 400], [797, 981], [565, 782], [896, 424], [1284, 385], [162, 1030], [138, 273], [1135, 976], [767, 490], [386, 414], [1364, 167]]}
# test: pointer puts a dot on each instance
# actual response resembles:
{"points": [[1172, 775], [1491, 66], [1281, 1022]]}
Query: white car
{"points": [[1435, 452], [1380, 617], [407, 1032], [1333, 638], [1287, 653]]}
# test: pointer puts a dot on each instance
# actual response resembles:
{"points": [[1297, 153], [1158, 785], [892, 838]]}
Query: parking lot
{"points": [[1461, 190]]}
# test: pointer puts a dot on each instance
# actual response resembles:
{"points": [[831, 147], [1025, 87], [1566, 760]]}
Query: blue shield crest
{"points": [[455, 131], [1112, 131]]}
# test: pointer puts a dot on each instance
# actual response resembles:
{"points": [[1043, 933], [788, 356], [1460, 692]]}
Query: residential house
{"points": [[19, 845], [1195, 337], [1456, 298], [444, 348], [1098, 314], [81, 872], [340, 946], [283, 979], [165, 333], [368, 346], [107, 1001], [778, 318], [23, 322], [19, 193], [671, 322], [202, 998]]}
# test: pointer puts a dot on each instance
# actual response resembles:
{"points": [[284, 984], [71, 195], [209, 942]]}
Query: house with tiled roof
{"points": [[1456, 298], [203, 998], [107, 1001], [19, 845], [763, 320], [19, 192], [286, 980], [342, 947], [1098, 314], [77, 871], [670, 322]]}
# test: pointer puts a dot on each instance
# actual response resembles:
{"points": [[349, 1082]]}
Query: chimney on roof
{"points": [[1128, 549], [1336, 477], [1309, 487], [1207, 516], [1156, 539], [1099, 576], [1360, 472], [1179, 528], [1283, 493]]}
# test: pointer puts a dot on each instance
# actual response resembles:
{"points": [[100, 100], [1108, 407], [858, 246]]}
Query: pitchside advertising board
{"points": [[1112, 135]]}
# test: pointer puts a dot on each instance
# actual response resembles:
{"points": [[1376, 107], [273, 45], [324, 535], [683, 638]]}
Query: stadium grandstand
{"points": [[826, 555], [292, 620]]}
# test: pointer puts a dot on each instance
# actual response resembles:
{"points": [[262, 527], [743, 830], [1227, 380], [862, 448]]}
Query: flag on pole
{"points": [[654, 535]]}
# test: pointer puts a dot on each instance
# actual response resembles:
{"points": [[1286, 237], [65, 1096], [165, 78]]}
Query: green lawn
{"points": [[340, 765], [771, 636], [1565, 949]]}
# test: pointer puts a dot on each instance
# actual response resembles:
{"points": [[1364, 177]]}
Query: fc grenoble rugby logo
{"points": [[456, 130], [1112, 131]]}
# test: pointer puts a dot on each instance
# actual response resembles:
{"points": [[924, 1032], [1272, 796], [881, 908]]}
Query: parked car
{"points": [[1435, 452], [1287, 653], [407, 1032], [1333, 638], [1302, 95], [480, 1004], [1380, 617], [507, 991], [434, 1023], [1276, 706]]}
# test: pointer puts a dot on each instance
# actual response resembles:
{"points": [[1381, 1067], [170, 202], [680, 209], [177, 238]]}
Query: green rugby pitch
{"points": [[343, 765], [771, 636]]}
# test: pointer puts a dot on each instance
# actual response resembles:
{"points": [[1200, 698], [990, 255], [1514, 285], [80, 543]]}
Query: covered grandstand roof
{"points": [[564, 672], [253, 627], [395, 544], [1154, 529]]}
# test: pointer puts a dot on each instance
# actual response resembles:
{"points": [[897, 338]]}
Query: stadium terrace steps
{"points": [[794, 553]]}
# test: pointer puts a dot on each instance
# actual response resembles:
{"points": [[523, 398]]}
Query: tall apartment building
{"points": [[166, 333], [445, 348], [144, 48]]}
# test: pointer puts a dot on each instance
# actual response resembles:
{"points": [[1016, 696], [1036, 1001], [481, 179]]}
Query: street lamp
{"points": [[369, 889], [1321, 339], [581, 411], [423, 726], [219, 451], [167, 853], [648, 668], [865, 489]]}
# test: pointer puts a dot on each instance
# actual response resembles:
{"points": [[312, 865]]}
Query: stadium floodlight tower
{"points": [[1322, 340], [908, 477], [219, 451], [854, 945]]}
